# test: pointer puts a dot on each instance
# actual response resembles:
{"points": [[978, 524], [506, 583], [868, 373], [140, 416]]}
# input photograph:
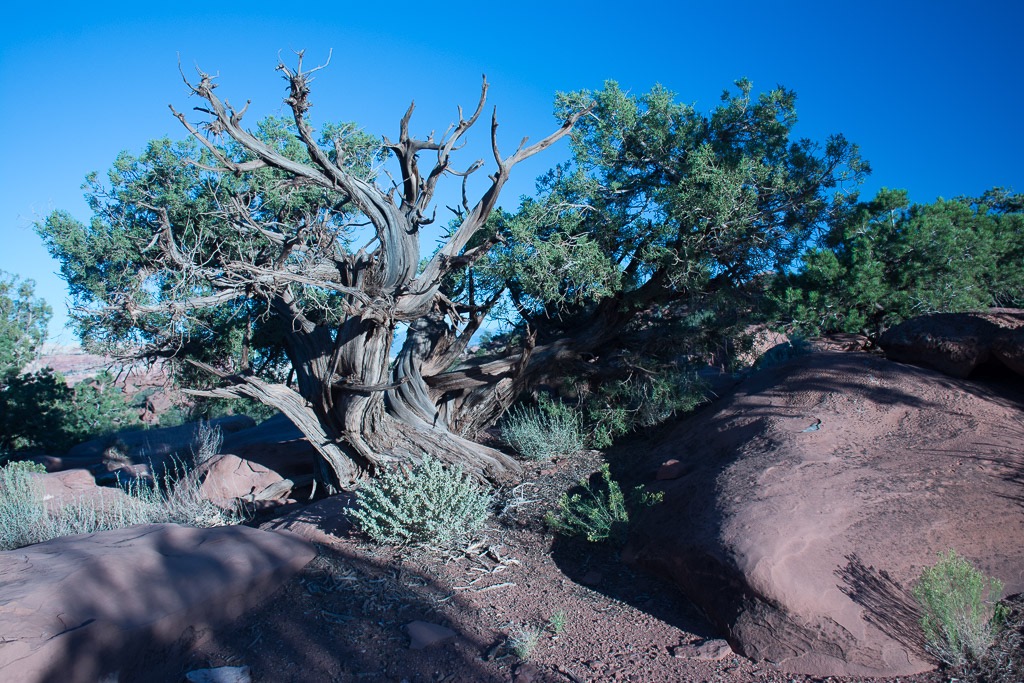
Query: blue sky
{"points": [[931, 91]]}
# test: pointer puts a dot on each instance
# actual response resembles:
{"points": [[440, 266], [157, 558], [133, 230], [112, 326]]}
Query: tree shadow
{"points": [[887, 606], [599, 567], [341, 618]]}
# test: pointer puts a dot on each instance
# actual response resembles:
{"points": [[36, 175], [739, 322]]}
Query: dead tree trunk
{"points": [[358, 412]]}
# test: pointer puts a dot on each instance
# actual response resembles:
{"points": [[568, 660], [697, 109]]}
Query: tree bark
{"points": [[358, 412]]}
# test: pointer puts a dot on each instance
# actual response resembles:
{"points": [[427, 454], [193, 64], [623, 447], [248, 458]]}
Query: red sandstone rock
{"points": [[226, 477], [320, 522], [423, 634], [957, 344], [802, 545], [77, 608], [60, 488]]}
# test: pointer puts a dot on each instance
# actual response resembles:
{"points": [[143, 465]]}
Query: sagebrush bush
{"points": [[423, 505], [597, 513], [25, 518], [21, 504], [551, 430], [206, 442], [958, 605]]}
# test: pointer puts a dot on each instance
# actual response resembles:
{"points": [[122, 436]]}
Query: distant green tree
{"points": [[38, 410], [885, 260], [23, 321]]}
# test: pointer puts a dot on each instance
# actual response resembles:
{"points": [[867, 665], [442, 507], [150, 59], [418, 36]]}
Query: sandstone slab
{"points": [[320, 522], [78, 608], [802, 544]]}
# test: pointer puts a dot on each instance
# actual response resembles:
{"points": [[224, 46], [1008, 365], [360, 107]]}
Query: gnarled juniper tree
{"points": [[237, 249], [247, 238]]}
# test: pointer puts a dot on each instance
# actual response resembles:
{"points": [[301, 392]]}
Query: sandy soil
{"points": [[343, 617]]}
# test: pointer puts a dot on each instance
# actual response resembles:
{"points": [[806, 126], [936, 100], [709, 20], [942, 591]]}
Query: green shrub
{"points": [[886, 260], [551, 430], [644, 400], [424, 505], [40, 412], [598, 513], [22, 514], [959, 615]]}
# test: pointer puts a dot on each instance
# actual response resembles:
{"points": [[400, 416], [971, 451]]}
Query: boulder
{"points": [[319, 522], [225, 478], [958, 344], [78, 608], [756, 341], [817, 492], [275, 444], [60, 488], [145, 446]]}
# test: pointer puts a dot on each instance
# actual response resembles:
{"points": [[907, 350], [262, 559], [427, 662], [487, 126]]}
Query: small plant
{"points": [[206, 442], [598, 513], [556, 623], [551, 430], [523, 641], [424, 505], [959, 614]]}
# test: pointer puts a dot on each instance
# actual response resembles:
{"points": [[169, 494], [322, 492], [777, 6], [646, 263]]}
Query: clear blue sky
{"points": [[930, 90]]}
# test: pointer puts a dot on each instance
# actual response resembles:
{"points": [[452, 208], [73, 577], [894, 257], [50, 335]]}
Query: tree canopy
{"points": [[886, 260], [281, 261]]}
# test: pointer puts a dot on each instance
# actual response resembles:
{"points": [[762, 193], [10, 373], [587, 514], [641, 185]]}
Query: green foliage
{"points": [[556, 623], [651, 246], [424, 505], [959, 612], [641, 400], [598, 512], [98, 407], [26, 519], [23, 321], [33, 409], [123, 281], [39, 412], [886, 260], [22, 514], [553, 429]]}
